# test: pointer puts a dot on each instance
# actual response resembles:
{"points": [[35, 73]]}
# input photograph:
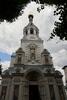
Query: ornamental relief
{"points": [[59, 81], [6, 81], [50, 80], [17, 80]]}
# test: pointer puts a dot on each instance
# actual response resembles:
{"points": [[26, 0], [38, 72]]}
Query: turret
{"points": [[46, 57], [20, 55], [12, 59]]}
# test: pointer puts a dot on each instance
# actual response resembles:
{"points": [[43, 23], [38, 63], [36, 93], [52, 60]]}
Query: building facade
{"points": [[65, 71], [31, 75]]}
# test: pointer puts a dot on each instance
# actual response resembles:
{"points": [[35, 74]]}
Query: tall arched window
{"points": [[46, 59], [16, 92], [31, 31], [26, 32], [19, 59], [32, 51]]}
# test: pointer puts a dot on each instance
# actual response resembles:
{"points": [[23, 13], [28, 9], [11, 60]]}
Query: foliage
{"points": [[11, 9], [60, 28]]}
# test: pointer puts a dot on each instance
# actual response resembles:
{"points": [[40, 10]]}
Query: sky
{"points": [[12, 33]]}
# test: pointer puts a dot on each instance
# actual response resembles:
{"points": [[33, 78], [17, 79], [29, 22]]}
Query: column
{"points": [[47, 91], [64, 92], [7, 93], [11, 92], [20, 92], [56, 92]]}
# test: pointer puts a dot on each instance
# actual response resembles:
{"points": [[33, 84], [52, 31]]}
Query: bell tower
{"points": [[32, 44], [31, 32]]}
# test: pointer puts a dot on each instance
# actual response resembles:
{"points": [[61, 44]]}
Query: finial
{"points": [[30, 18]]}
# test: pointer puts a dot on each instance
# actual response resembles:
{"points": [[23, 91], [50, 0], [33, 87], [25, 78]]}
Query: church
{"points": [[31, 75]]}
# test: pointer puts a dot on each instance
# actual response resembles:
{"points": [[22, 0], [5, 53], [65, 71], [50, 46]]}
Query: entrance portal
{"points": [[34, 92]]}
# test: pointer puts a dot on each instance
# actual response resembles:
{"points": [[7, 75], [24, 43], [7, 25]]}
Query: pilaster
{"points": [[11, 92]]}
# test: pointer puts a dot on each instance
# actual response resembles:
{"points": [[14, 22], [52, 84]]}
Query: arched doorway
{"points": [[34, 93], [33, 77]]}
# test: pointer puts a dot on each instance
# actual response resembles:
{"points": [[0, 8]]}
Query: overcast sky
{"points": [[11, 34]]}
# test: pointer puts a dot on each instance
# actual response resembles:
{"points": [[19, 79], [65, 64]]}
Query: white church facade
{"points": [[31, 75]]}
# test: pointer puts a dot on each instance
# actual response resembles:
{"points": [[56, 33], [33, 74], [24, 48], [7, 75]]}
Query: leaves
{"points": [[10, 9], [60, 28]]}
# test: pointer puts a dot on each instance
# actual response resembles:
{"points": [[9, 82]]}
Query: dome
{"points": [[30, 15], [20, 50], [30, 29], [58, 72], [13, 54], [45, 51]]}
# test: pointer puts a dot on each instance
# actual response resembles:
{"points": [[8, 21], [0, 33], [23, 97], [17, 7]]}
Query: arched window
{"points": [[19, 59], [26, 32], [32, 51], [31, 31], [16, 92], [46, 59]]}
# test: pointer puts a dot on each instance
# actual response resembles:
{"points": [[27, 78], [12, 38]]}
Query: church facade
{"points": [[65, 71], [31, 75]]}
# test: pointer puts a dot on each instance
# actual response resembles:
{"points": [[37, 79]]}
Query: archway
{"points": [[34, 93], [33, 76]]}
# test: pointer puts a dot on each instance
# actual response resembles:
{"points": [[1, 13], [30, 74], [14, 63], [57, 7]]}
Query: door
{"points": [[34, 92]]}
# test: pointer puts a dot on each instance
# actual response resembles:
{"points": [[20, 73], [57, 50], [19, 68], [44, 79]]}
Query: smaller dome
{"points": [[45, 51], [20, 50], [64, 67], [13, 54], [58, 72], [30, 15]]}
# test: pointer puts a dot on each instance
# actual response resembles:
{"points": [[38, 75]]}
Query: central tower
{"points": [[31, 43]]}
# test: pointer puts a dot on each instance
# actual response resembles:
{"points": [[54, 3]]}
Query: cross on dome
{"points": [[30, 18], [31, 31]]}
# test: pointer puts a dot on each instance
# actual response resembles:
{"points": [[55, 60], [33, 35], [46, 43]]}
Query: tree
{"points": [[60, 28], [11, 9]]}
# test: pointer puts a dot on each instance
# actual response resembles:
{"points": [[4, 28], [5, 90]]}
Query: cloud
{"points": [[5, 65], [4, 56], [10, 34], [60, 58]]}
